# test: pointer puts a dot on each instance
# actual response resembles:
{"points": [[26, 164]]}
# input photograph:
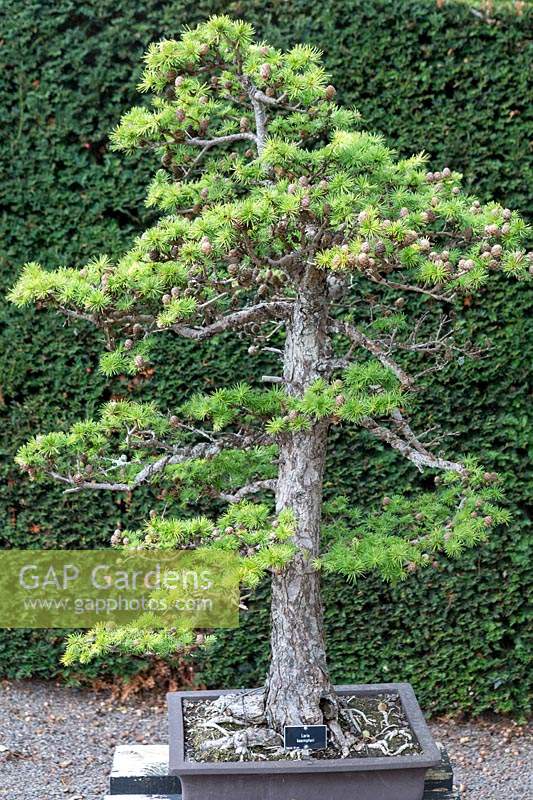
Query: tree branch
{"points": [[359, 338], [202, 450], [274, 101], [250, 488], [232, 137], [419, 457], [407, 287], [260, 122], [278, 309]]}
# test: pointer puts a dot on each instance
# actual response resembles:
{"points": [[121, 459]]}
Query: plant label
{"points": [[305, 737]]}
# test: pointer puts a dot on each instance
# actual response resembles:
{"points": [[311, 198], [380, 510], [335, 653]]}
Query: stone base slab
{"points": [[140, 772]]}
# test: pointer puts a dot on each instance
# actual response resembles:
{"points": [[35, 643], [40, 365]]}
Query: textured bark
{"points": [[298, 687]]}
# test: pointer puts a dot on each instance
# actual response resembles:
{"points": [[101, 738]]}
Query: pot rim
{"points": [[429, 757]]}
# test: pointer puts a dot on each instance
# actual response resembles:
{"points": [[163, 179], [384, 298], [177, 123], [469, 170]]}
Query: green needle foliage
{"points": [[263, 179]]}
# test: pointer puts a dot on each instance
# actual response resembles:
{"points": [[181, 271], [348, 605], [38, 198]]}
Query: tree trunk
{"points": [[298, 684]]}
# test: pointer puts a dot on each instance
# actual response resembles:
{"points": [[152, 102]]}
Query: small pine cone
{"points": [[166, 299], [292, 415], [270, 92], [429, 177], [244, 124], [506, 228], [229, 529], [137, 329], [424, 245], [437, 176], [487, 520], [446, 172], [363, 260], [175, 292], [305, 202], [379, 249], [323, 185], [78, 478], [340, 400], [291, 188], [411, 567], [303, 180], [386, 501], [330, 92], [154, 255], [496, 251], [203, 50], [205, 246], [265, 71], [399, 302], [249, 153], [204, 194], [116, 537], [492, 230], [507, 214], [404, 212], [174, 421], [180, 115], [456, 190], [362, 216], [128, 344]]}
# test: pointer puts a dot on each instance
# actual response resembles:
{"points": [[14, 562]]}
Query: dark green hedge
{"points": [[440, 79]]}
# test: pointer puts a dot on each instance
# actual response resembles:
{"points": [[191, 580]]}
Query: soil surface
{"points": [[58, 742], [376, 727]]}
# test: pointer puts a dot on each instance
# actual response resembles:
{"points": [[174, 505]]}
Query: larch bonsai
{"points": [[283, 221]]}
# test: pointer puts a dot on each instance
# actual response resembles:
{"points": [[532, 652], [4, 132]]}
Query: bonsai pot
{"points": [[366, 778]]}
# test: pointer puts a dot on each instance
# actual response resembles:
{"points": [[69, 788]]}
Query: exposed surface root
{"points": [[233, 728]]}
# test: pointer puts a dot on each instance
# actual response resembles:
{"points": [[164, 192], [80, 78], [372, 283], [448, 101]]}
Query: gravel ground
{"points": [[57, 742]]}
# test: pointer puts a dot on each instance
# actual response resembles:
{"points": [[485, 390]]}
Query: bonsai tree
{"points": [[283, 221]]}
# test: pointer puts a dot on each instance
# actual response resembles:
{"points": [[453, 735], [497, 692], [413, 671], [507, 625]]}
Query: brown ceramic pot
{"points": [[386, 778]]}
